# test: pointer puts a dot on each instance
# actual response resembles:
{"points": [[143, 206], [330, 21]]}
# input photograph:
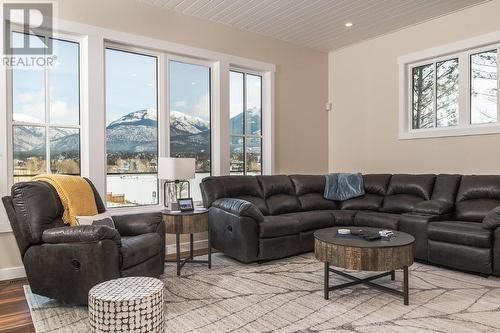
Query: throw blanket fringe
{"points": [[75, 193]]}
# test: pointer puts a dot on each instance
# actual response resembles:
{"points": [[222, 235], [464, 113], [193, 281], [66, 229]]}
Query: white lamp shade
{"points": [[171, 168]]}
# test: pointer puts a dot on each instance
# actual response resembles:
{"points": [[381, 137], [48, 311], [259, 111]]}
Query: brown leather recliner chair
{"points": [[64, 262]]}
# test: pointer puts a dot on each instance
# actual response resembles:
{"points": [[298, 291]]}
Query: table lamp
{"points": [[175, 172]]}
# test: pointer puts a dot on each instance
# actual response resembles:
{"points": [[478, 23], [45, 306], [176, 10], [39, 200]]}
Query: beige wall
{"points": [[364, 90], [300, 88], [301, 77]]}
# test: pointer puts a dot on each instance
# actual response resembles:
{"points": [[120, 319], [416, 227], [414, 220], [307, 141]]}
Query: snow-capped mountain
{"points": [[132, 133], [142, 117], [253, 120], [29, 139], [183, 123], [135, 132]]}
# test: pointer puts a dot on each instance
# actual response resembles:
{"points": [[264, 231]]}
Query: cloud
{"points": [[202, 108], [61, 113], [30, 107], [180, 104], [254, 93]]}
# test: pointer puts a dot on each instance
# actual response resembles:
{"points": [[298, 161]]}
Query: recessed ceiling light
{"points": [[349, 24]]}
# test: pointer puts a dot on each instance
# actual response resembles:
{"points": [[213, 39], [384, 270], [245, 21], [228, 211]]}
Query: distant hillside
{"points": [[136, 132]]}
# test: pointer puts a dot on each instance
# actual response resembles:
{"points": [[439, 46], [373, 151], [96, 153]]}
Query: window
{"points": [[70, 117], [484, 87], [190, 134], [245, 123], [435, 94], [131, 128], [455, 94], [46, 112]]}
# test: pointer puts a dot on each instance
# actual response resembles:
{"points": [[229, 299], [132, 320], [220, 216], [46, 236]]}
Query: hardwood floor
{"points": [[14, 312]]}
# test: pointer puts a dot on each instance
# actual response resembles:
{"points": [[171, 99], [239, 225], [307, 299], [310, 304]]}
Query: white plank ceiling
{"points": [[318, 24]]}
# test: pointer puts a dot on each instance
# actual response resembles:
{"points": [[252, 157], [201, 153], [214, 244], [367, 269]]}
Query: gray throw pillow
{"points": [[492, 219]]}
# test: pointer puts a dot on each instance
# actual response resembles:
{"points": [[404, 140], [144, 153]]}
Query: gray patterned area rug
{"points": [[286, 296]]}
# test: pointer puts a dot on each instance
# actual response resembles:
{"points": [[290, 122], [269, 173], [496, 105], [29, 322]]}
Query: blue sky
{"points": [[189, 89], [131, 81], [29, 87]]}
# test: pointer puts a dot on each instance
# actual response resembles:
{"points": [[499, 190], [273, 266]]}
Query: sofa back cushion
{"points": [[309, 189], [476, 197], [446, 188], [405, 191], [238, 187], [279, 194], [37, 208], [375, 189]]}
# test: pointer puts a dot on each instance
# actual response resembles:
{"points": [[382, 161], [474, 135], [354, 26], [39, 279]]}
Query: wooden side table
{"points": [[178, 223]]}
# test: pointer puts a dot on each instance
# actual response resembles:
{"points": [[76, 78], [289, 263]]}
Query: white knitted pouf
{"points": [[132, 305]]}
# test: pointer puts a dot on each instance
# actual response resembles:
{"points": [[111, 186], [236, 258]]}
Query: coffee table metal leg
{"points": [[178, 248], [368, 281], [327, 279], [406, 291], [393, 275]]}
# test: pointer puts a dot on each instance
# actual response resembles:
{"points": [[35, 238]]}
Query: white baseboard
{"points": [[199, 244], [11, 273]]}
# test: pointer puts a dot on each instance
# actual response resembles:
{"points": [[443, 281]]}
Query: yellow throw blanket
{"points": [[75, 193]]}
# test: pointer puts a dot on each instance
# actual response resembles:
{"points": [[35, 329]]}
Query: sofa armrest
{"points": [[240, 208], [81, 234], [433, 207], [138, 224], [492, 219], [235, 236], [416, 225]]}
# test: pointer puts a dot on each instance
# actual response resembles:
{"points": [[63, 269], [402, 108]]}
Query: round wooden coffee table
{"points": [[354, 253]]}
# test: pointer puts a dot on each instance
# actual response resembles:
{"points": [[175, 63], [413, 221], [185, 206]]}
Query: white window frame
{"points": [[461, 50], [245, 134], [214, 115], [160, 120], [93, 40], [214, 112], [47, 124]]}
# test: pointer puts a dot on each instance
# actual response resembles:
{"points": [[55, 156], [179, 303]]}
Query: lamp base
{"points": [[173, 190]]}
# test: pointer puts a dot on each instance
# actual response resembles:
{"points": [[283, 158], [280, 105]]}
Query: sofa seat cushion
{"points": [[365, 202], [343, 217], [137, 249], [400, 203], [313, 220], [459, 232], [278, 225], [377, 220]]}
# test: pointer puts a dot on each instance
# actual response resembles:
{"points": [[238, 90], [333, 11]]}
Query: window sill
{"points": [[483, 129], [135, 210], [142, 209]]}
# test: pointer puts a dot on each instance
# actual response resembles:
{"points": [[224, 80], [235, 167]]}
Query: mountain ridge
{"points": [[137, 132]]}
